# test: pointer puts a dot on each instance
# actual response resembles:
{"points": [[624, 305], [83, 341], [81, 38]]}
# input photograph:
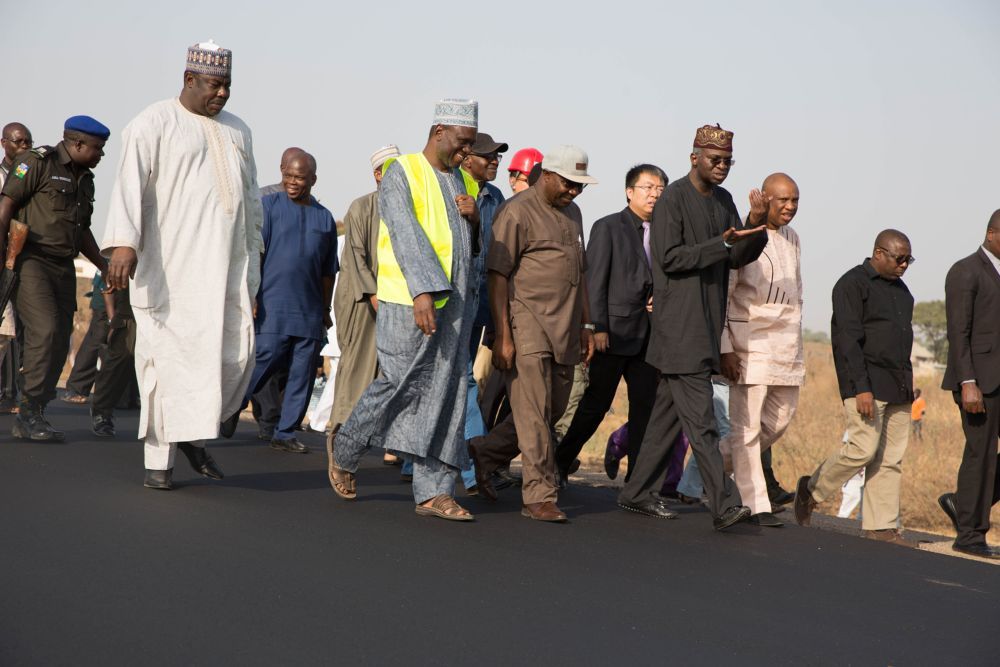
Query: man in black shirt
{"points": [[872, 335]]}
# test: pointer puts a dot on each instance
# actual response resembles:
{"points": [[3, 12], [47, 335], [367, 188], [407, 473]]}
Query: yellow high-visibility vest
{"points": [[432, 214]]}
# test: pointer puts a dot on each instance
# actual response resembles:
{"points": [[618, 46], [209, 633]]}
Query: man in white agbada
{"points": [[761, 349], [184, 222]]}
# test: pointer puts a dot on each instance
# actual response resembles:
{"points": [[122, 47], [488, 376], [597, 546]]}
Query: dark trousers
{"points": [[117, 370], [45, 300], [298, 356], [681, 401], [979, 474], [92, 347], [10, 371], [606, 371], [266, 402]]}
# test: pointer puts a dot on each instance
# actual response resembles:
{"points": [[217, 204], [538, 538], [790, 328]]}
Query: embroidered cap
{"points": [[713, 137], [379, 157], [210, 59], [464, 113]]}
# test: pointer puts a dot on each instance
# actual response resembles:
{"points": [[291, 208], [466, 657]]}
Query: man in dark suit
{"points": [[619, 283], [697, 237], [972, 298]]}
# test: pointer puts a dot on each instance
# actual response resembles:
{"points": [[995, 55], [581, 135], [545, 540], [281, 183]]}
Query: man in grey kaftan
{"points": [[416, 408]]}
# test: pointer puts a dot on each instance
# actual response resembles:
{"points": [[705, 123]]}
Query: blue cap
{"points": [[87, 125]]}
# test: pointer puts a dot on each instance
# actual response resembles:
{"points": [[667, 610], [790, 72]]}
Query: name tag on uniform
{"points": [[62, 178]]}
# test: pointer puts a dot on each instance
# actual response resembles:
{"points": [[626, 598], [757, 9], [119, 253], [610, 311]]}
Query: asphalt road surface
{"points": [[269, 567]]}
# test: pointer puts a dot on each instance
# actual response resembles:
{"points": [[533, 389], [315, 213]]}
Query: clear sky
{"points": [[884, 112]]}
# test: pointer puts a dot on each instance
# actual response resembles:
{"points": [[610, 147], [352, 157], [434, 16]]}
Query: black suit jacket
{"points": [[619, 282], [972, 301], [691, 276]]}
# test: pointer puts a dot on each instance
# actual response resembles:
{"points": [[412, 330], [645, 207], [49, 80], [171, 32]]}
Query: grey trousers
{"points": [[431, 477]]}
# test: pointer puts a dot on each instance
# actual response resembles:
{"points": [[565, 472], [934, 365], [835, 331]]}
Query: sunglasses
{"points": [[899, 259]]}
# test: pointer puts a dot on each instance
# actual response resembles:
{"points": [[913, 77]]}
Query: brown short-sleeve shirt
{"points": [[55, 199], [540, 250]]}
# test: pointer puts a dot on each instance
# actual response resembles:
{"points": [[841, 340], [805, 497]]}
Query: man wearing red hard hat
{"points": [[520, 167]]}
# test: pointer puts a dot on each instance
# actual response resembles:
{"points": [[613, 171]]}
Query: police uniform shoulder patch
{"points": [[21, 170], [42, 151]]}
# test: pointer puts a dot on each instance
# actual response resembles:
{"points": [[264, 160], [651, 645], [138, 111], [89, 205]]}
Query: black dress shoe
{"points": [[980, 550], [781, 497], [731, 517], [265, 432], [103, 426], [158, 479], [228, 427], [766, 520], [654, 508], [947, 503], [290, 445], [200, 460]]}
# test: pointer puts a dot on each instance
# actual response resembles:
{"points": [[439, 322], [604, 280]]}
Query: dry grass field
{"points": [[929, 468]]}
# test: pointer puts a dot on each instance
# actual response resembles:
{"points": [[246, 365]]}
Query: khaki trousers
{"points": [[538, 389], [878, 447], [758, 417]]}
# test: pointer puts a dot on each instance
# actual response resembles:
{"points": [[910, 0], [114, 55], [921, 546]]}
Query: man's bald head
{"points": [[888, 237], [891, 255], [994, 223], [289, 153], [9, 128], [16, 137], [302, 159], [782, 196]]}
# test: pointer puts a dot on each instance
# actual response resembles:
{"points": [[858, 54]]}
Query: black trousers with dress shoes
{"points": [[117, 372], [81, 378], [606, 372], [682, 402], [979, 474], [266, 403]]}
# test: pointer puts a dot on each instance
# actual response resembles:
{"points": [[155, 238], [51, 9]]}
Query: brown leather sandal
{"points": [[445, 507], [343, 482]]}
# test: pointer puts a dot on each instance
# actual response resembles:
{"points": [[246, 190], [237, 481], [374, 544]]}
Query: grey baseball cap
{"points": [[570, 162]]}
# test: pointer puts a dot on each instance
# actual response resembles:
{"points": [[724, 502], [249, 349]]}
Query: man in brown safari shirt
{"points": [[538, 298]]}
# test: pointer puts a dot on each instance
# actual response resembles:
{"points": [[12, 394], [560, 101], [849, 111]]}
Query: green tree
{"points": [[931, 326], [810, 336]]}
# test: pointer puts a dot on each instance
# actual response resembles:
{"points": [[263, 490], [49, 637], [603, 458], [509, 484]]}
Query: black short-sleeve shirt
{"points": [[53, 197]]}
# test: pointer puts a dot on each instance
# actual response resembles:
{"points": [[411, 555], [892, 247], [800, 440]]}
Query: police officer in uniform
{"points": [[50, 189]]}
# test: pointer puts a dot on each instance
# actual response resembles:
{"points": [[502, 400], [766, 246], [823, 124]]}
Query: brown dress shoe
{"points": [[484, 485], [547, 511], [804, 503], [889, 535]]}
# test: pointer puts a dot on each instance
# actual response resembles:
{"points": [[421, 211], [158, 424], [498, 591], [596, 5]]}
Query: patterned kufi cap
{"points": [[713, 137], [379, 157], [210, 59], [464, 113]]}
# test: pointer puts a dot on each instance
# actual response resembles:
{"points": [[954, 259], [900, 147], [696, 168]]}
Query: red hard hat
{"points": [[524, 160]]}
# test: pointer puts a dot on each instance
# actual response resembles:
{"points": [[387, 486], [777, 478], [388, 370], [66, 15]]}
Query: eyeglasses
{"points": [[658, 189], [716, 161], [520, 178], [490, 157], [899, 259], [24, 143]]}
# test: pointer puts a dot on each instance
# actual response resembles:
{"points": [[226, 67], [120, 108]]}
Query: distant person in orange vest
{"points": [[917, 414]]}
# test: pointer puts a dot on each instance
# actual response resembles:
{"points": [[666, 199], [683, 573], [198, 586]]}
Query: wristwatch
{"points": [[589, 326]]}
